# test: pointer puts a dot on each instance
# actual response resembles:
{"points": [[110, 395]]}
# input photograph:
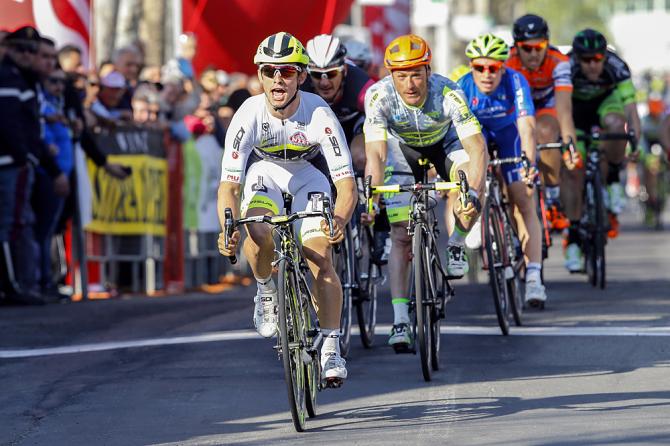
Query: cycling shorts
{"points": [[266, 180], [447, 156], [509, 145], [591, 113]]}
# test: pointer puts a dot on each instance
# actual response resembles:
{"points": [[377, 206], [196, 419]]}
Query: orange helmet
{"points": [[407, 51], [656, 106]]}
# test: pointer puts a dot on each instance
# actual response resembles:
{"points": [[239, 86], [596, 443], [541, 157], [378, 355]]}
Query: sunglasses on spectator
{"points": [[530, 47], [492, 68], [325, 74], [56, 80], [285, 71], [598, 57]]}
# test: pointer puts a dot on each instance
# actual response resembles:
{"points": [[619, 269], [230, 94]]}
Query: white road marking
{"points": [[382, 330]]}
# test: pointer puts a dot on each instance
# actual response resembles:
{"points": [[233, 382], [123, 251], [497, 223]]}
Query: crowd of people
{"points": [[51, 104]]}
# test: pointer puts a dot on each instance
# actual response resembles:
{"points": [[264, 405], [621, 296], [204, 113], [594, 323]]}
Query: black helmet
{"points": [[530, 26], [589, 41]]}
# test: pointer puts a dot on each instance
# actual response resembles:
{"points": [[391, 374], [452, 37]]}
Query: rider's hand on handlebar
{"points": [[530, 174], [574, 160], [232, 243], [368, 218], [471, 210], [338, 230]]}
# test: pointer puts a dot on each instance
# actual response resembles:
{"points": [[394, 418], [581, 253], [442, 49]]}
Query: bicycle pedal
{"points": [[334, 383]]}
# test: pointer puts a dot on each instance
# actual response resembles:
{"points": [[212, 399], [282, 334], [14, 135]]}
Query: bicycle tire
{"points": [[438, 309], [515, 290], [594, 242], [495, 255], [312, 368], [291, 336], [601, 233], [366, 304], [422, 299], [546, 233], [345, 265]]}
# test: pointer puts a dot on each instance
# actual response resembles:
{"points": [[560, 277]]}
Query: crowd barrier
{"points": [[155, 230]]}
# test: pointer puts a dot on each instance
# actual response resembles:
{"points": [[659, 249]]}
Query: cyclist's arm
{"points": [[526, 126], [375, 153], [626, 91], [564, 112], [633, 119], [228, 196], [475, 147], [347, 198], [375, 132]]}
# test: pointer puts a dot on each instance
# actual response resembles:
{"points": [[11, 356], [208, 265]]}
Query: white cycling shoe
{"points": [[457, 261], [573, 258], [536, 295], [265, 314], [333, 366]]}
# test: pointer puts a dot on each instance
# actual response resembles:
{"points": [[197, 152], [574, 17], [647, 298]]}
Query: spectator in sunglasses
{"points": [[547, 71]]}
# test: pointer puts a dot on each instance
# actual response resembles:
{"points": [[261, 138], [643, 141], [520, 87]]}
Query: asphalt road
{"points": [[593, 368]]}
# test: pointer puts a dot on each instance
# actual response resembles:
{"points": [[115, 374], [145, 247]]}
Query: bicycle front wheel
{"points": [[423, 298], [292, 337], [368, 279], [496, 260], [594, 249]]}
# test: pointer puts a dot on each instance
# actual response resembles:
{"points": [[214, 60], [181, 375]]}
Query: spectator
{"points": [[106, 110], [20, 142], [186, 50], [106, 67], [145, 105], [152, 75], [48, 206], [254, 86], [69, 59], [128, 61]]}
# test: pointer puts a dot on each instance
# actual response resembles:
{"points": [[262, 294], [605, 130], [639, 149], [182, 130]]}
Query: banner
{"points": [[68, 22], [137, 204], [202, 175], [385, 24]]}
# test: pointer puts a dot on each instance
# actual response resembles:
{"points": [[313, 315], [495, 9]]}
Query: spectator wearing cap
{"points": [[21, 147], [107, 110]]}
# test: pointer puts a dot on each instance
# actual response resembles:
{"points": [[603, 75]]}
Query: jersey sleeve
{"points": [[456, 107], [333, 144], [238, 145], [523, 101], [561, 74], [376, 124]]}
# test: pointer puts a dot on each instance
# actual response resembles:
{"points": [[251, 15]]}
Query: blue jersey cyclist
{"points": [[501, 100]]}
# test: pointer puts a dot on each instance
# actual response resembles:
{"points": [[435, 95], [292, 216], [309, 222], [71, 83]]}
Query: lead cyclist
{"points": [[428, 114], [288, 141]]}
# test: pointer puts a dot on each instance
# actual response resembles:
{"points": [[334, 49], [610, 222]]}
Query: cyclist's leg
{"points": [[262, 196], [613, 120], [357, 144], [549, 163], [327, 289]]}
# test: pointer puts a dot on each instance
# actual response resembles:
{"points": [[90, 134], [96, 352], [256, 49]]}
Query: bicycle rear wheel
{"points": [[439, 293], [368, 279], [344, 265], [292, 337], [594, 249], [515, 286], [495, 250], [423, 291]]}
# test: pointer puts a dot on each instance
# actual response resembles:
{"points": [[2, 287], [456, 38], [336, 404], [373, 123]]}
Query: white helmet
{"points": [[358, 52], [325, 51]]}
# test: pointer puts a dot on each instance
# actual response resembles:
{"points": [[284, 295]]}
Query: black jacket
{"points": [[21, 136]]}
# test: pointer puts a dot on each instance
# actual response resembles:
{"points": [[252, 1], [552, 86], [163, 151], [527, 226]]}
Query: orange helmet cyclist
{"points": [[407, 51]]}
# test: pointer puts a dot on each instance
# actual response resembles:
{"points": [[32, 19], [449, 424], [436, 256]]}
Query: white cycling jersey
{"points": [[312, 129]]}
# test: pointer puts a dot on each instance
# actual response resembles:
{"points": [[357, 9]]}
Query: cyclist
{"points": [[500, 98], [652, 160], [428, 114], [342, 85], [547, 70], [603, 98], [288, 141], [359, 54]]}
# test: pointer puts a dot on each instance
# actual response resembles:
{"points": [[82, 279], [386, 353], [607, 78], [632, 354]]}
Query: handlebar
{"points": [[231, 224], [598, 136], [462, 185]]}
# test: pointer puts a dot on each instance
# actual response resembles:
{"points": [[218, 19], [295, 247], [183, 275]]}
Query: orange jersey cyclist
{"points": [[548, 73], [428, 114]]}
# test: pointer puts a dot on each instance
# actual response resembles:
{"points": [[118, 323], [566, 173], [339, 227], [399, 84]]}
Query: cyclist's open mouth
{"points": [[278, 94]]}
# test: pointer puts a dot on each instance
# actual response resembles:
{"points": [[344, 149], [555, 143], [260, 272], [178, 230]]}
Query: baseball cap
{"points": [[113, 80]]}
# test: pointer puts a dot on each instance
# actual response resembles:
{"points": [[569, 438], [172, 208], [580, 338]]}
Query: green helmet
{"points": [[487, 45], [281, 48]]}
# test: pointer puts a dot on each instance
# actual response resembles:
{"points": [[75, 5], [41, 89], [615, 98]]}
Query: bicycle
{"points": [[501, 251], [593, 224], [430, 287], [299, 334]]}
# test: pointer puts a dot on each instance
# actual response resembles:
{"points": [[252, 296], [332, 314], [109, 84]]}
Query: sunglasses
{"points": [[530, 47], [285, 71], [598, 57], [325, 74], [493, 68], [56, 80]]}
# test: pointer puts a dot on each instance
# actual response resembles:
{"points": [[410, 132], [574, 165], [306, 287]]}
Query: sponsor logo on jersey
{"points": [[238, 139], [300, 125], [299, 139], [235, 155], [235, 178], [336, 146], [259, 186], [266, 127], [328, 131]]}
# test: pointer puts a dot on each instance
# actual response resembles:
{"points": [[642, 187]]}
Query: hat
{"points": [[113, 80], [25, 34]]}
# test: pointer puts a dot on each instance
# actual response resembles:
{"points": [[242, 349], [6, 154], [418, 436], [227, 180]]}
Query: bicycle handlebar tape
{"points": [[229, 225], [464, 187], [327, 210], [367, 191]]}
